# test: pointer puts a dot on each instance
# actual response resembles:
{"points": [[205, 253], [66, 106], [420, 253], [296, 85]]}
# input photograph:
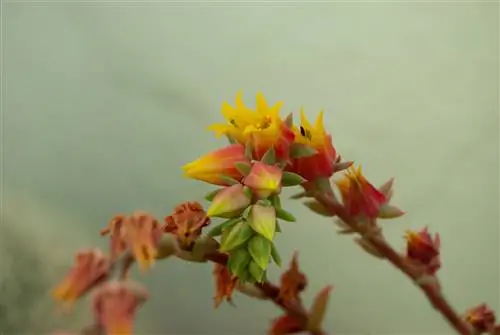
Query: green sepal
{"points": [[249, 151], [229, 180], [269, 157], [243, 167], [246, 212], [260, 250], [275, 200], [238, 235], [289, 120], [275, 254], [317, 208], [248, 192], [256, 271], [210, 196], [238, 262], [278, 227], [265, 202], [299, 150], [284, 215], [228, 224], [291, 179]]}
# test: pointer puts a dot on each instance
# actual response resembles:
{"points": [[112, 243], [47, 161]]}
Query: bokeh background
{"points": [[104, 101]]}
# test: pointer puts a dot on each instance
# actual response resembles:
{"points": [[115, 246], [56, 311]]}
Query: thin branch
{"points": [[431, 291]]}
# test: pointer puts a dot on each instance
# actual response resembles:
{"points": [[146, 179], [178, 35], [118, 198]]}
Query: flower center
{"points": [[264, 123]]}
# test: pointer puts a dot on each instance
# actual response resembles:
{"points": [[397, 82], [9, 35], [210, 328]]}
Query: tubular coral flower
{"points": [[481, 318], [424, 249], [186, 223], [358, 195], [115, 305], [322, 163], [264, 179], [229, 202], [292, 281], [262, 129], [213, 167], [91, 268], [224, 284]]}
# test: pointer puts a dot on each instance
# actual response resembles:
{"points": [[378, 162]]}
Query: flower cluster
{"points": [[266, 153]]}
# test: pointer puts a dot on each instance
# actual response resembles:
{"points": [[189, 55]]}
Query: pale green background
{"points": [[104, 103]]}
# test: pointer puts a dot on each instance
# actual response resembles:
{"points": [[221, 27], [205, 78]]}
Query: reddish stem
{"points": [[432, 292]]}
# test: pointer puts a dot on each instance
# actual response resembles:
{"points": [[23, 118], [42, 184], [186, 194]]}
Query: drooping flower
{"points": [[424, 249], [115, 305], [292, 281], [264, 180], [229, 202], [320, 164], [140, 233], [213, 167], [186, 223], [224, 285], [91, 267], [359, 196], [481, 318], [261, 128]]}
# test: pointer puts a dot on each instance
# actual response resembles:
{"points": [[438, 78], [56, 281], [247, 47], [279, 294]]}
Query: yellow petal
{"points": [[261, 105], [319, 126], [303, 120]]}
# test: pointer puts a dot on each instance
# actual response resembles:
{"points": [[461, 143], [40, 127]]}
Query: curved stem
{"points": [[431, 291]]}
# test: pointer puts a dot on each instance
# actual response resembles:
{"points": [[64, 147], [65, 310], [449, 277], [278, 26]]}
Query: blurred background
{"points": [[104, 101]]}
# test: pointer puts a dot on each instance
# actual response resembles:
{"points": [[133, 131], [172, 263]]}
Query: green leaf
{"points": [[243, 167], [256, 271], [291, 179], [249, 151], [238, 262], [260, 250], [229, 180], [269, 157], [317, 208], [210, 196], [289, 120], [299, 150], [237, 236], [284, 215], [228, 224], [275, 254], [262, 219]]}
